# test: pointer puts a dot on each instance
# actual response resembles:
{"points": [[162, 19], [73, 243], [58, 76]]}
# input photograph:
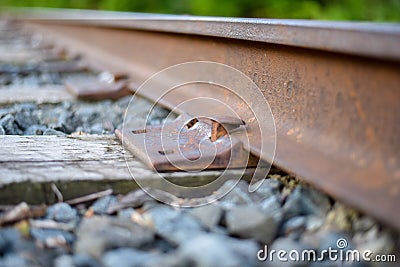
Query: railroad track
{"points": [[332, 89]]}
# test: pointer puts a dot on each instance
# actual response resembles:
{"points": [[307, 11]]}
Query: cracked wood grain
{"points": [[78, 166]]}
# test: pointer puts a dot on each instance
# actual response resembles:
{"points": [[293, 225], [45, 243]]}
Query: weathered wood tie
{"points": [[77, 165]]}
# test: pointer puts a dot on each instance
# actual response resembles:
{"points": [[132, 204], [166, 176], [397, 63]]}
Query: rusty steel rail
{"points": [[333, 87]]}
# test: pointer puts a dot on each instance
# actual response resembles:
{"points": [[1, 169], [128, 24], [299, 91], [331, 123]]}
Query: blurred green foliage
{"points": [[373, 10]]}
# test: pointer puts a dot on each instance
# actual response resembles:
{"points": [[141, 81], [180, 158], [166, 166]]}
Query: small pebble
{"points": [[248, 222], [25, 107], [9, 125], [174, 225], [14, 260], [211, 250], [62, 212], [64, 261], [25, 119], [99, 234], [68, 122], [4, 244], [127, 257], [314, 223], [97, 128], [77, 260], [208, 215], [126, 213], [268, 188], [272, 207], [52, 237], [53, 132], [80, 260], [295, 224], [13, 240], [363, 224], [101, 205], [133, 199], [238, 194], [306, 201], [35, 130]]}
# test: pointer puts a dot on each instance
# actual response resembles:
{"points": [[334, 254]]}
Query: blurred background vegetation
{"points": [[372, 10]]}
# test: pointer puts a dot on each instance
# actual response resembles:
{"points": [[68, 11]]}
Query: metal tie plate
{"points": [[105, 86], [189, 144]]}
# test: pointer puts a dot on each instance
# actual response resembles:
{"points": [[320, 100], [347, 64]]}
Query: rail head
{"points": [[367, 39]]}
